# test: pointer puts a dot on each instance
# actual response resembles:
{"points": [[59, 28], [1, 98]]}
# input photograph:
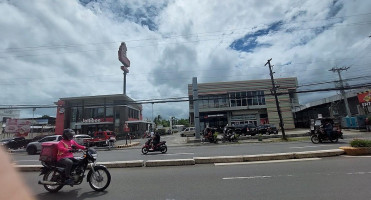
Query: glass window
{"points": [[109, 112]]}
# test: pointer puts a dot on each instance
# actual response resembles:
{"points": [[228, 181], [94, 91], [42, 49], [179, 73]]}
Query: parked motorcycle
{"points": [[320, 136], [54, 177], [212, 138], [230, 136], [161, 146]]}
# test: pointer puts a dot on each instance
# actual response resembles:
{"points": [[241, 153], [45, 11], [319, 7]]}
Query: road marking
{"points": [[248, 177], [309, 146], [26, 160], [358, 173], [264, 162], [357, 156], [175, 154]]}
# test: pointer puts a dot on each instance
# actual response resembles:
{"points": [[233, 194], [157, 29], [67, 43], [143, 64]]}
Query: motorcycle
{"points": [[161, 146], [230, 136], [213, 138], [320, 135], [54, 177]]}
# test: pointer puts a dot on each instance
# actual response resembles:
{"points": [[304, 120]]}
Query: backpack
{"points": [[49, 152]]}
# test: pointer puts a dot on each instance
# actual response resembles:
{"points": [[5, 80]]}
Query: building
{"points": [[242, 102], [87, 114], [359, 102]]}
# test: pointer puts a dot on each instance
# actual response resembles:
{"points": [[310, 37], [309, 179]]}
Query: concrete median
{"points": [[173, 162], [217, 159], [123, 164], [207, 160]]}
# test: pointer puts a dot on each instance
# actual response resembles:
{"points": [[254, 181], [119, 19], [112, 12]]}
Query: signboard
{"points": [[364, 98], [19, 127], [122, 55]]}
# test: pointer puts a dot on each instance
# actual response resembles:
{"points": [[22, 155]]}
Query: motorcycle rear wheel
{"points": [[315, 139], [144, 150], [334, 140], [53, 176], [100, 179]]}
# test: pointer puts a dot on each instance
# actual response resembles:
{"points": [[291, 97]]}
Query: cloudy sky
{"points": [[52, 49]]}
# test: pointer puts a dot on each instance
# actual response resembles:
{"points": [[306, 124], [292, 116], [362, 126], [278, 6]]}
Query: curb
{"points": [[206, 160], [127, 145]]}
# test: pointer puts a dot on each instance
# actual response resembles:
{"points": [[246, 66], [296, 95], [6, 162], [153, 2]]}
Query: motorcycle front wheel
{"points": [[164, 149], [99, 179], [314, 139], [53, 176], [144, 150]]}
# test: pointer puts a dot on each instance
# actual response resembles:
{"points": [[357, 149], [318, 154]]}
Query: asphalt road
{"points": [[338, 178], [183, 152]]}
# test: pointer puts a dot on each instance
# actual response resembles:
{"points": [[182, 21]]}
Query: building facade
{"points": [[92, 113], [359, 102], [242, 102]]}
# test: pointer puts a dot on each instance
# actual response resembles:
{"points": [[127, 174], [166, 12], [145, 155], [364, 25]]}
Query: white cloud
{"points": [[54, 49]]}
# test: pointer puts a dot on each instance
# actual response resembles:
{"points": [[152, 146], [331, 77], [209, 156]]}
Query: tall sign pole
{"points": [[125, 61], [274, 90]]}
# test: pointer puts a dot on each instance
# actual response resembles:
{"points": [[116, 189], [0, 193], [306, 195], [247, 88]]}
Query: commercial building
{"points": [[359, 102], [241, 102], [87, 114]]}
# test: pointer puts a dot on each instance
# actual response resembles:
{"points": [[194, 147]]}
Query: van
{"points": [[188, 132]]}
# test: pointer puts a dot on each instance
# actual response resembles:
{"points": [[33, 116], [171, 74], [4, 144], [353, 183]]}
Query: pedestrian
{"points": [[368, 124]]}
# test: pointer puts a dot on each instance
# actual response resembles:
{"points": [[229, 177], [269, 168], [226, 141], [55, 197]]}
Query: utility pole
{"points": [[338, 70], [274, 90]]}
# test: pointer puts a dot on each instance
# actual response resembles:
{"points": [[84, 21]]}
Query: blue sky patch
{"points": [[144, 16], [249, 42]]}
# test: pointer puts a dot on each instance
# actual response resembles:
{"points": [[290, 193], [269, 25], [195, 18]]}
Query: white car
{"points": [[188, 132], [34, 147], [80, 138]]}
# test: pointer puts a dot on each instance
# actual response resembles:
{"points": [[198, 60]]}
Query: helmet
{"points": [[68, 134]]}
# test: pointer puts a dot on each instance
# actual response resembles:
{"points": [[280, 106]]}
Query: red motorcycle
{"points": [[147, 147]]}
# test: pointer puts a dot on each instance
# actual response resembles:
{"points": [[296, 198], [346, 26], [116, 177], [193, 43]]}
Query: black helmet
{"points": [[68, 134]]}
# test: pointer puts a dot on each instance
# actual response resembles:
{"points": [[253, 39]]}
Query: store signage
{"points": [[364, 98], [97, 120], [91, 120]]}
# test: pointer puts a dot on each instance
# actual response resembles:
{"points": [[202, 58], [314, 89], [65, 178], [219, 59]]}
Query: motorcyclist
{"points": [[155, 140], [66, 147], [328, 129]]}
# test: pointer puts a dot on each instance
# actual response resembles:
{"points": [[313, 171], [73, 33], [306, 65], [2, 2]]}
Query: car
{"points": [[242, 129], [188, 132], [101, 138], [80, 138], [267, 129], [34, 147], [15, 143]]}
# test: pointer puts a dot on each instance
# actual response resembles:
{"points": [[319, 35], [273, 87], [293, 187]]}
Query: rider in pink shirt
{"points": [[66, 148]]}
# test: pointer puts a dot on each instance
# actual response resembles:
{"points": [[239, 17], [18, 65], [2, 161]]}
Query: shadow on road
{"points": [[71, 194]]}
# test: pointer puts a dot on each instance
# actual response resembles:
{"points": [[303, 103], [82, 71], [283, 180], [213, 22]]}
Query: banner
{"points": [[19, 127], [364, 98]]}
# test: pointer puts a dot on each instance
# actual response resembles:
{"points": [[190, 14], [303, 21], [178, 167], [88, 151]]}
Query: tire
{"points": [[53, 176], [334, 140], [164, 149], [100, 180], [31, 150], [315, 139], [144, 150]]}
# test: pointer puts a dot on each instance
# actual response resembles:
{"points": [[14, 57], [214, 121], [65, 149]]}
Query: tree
{"points": [[184, 122]]}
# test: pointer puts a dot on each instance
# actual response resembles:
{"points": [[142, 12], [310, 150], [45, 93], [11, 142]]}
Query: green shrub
{"points": [[360, 143]]}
